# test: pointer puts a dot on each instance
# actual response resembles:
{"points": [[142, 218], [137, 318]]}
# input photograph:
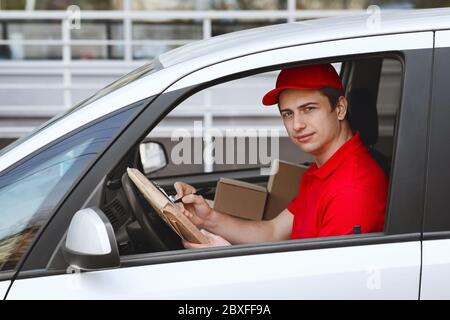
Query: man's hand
{"points": [[214, 241], [183, 189], [196, 208]]}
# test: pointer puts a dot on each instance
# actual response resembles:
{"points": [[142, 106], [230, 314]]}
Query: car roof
{"points": [[240, 43]]}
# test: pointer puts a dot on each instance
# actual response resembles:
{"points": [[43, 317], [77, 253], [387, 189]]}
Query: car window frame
{"points": [[436, 222]]}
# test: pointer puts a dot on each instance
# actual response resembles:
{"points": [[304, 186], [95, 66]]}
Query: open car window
{"points": [[228, 116]]}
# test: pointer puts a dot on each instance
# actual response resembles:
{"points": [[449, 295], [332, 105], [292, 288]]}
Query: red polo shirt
{"points": [[349, 189]]}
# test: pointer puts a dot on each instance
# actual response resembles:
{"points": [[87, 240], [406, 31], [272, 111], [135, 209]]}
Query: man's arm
{"points": [[233, 229], [349, 208], [237, 230]]}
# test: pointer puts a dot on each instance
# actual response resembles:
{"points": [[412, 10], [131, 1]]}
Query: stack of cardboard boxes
{"points": [[254, 202]]}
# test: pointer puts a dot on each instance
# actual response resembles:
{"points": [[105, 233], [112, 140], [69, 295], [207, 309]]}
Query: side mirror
{"points": [[90, 243], [153, 156]]}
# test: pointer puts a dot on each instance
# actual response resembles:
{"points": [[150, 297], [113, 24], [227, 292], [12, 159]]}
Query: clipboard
{"points": [[165, 207]]}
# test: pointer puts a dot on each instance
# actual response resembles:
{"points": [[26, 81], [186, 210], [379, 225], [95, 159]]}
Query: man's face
{"points": [[308, 119]]}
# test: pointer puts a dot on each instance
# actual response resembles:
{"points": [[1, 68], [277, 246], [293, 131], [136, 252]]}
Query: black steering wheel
{"points": [[161, 237]]}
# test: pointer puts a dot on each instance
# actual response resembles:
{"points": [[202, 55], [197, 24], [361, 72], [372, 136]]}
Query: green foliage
{"points": [[12, 4]]}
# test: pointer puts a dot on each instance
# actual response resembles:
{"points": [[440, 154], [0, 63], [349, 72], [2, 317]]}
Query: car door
{"points": [[435, 282], [369, 266]]}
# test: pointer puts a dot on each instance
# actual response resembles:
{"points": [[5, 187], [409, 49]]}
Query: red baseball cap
{"points": [[304, 78]]}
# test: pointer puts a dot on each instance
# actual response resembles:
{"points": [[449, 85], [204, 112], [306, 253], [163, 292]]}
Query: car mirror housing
{"points": [[90, 242], [153, 156]]}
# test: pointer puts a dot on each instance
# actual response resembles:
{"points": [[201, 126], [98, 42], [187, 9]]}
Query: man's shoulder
{"points": [[360, 171], [364, 161]]}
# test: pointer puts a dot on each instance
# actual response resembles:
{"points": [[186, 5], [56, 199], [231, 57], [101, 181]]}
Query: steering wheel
{"points": [[161, 236]]}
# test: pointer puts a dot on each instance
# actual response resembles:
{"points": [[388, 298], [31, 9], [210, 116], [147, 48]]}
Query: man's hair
{"points": [[332, 94]]}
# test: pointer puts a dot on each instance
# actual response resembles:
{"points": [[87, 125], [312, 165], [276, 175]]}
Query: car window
{"points": [[234, 113], [30, 192]]}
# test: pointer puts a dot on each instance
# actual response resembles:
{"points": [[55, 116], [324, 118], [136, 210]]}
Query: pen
{"points": [[198, 192]]}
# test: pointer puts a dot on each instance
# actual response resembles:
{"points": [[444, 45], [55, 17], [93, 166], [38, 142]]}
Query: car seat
{"points": [[363, 117]]}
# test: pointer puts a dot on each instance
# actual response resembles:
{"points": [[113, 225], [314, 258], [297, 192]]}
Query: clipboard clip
{"points": [[170, 198]]}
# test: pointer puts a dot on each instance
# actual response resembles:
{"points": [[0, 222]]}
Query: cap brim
{"points": [[271, 97]]}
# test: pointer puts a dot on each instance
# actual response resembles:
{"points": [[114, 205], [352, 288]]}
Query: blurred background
{"points": [[56, 53]]}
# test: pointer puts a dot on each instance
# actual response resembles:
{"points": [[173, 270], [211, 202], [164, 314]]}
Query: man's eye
{"points": [[308, 109], [287, 115]]}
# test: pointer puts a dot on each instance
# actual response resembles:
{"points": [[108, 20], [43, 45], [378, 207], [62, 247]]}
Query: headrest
{"points": [[363, 116]]}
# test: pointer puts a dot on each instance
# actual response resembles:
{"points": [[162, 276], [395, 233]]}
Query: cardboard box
{"points": [[282, 186], [254, 202], [240, 199]]}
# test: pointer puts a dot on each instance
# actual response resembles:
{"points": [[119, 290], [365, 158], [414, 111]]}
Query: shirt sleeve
{"points": [[349, 208], [293, 205]]}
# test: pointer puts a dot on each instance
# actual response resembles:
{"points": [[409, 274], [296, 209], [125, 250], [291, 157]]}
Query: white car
{"points": [[73, 227]]}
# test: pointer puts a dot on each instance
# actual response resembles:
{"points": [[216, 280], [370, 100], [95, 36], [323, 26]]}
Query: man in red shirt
{"points": [[342, 193]]}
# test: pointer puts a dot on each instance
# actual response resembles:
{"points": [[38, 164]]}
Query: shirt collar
{"points": [[337, 158]]}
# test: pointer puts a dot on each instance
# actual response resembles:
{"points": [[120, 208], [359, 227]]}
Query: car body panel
{"points": [[361, 272], [435, 282], [4, 286], [408, 41], [442, 39]]}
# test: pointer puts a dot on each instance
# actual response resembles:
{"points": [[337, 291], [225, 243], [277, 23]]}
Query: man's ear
{"points": [[342, 107]]}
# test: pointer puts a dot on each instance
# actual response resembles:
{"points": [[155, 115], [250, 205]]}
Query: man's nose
{"points": [[299, 123]]}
